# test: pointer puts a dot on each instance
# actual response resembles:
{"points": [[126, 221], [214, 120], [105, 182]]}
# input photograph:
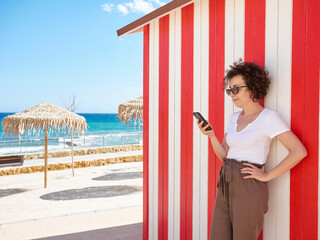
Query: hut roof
{"points": [[137, 26], [41, 116], [132, 109]]}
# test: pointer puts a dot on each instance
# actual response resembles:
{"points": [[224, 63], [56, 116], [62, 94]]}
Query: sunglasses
{"points": [[234, 90]]}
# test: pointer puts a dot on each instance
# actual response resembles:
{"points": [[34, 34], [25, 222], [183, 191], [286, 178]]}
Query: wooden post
{"points": [[72, 151], [45, 156]]}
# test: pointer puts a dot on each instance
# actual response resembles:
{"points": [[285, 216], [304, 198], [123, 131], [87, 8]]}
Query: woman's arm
{"points": [[296, 153], [221, 150]]}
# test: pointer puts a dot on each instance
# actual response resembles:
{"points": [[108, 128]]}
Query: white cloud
{"points": [[123, 9], [159, 2], [140, 6], [107, 7]]}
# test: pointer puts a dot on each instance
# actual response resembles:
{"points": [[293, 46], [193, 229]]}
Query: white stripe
{"points": [[239, 26], [284, 109], [278, 63], [151, 128], [156, 126], [177, 124], [229, 52], [271, 52], [154, 130], [196, 133], [172, 121], [205, 111], [201, 97], [171, 147]]}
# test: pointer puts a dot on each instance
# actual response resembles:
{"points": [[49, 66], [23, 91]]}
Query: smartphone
{"points": [[199, 116]]}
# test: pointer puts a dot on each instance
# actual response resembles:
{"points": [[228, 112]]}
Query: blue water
{"points": [[103, 130]]}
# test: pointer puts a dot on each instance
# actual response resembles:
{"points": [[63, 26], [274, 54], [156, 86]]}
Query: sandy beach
{"points": [[96, 198]]}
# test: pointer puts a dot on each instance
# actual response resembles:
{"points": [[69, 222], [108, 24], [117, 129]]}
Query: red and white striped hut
{"points": [[188, 45]]}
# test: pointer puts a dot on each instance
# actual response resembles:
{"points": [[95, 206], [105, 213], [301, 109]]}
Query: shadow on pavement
{"points": [[119, 176], [11, 191], [91, 192], [127, 232]]}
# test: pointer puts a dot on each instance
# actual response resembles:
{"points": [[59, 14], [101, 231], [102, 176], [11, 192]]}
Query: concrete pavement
{"points": [[98, 203]]}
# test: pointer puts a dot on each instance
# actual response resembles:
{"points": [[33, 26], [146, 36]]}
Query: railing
{"points": [[63, 143]]}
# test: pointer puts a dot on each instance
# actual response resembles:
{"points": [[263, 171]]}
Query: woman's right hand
{"points": [[203, 129]]}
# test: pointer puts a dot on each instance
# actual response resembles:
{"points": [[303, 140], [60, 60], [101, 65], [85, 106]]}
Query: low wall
{"points": [[78, 164], [85, 151]]}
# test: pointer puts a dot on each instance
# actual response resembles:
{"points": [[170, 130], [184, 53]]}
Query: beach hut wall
{"points": [[187, 46]]}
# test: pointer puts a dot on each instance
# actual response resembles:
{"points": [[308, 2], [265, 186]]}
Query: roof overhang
{"points": [[137, 26]]}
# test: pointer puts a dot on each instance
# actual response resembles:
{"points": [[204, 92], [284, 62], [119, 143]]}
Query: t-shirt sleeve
{"points": [[275, 125]]}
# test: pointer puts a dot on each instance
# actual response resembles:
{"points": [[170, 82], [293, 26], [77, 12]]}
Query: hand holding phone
{"points": [[199, 116]]}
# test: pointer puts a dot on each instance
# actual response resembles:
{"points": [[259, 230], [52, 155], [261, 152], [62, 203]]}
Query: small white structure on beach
{"points": [[188, 45]]}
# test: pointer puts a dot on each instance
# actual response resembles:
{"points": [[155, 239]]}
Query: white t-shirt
{"points": [[252, 143]]}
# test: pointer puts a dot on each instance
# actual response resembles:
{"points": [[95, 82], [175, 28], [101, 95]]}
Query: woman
{"points": [[242, 192]]}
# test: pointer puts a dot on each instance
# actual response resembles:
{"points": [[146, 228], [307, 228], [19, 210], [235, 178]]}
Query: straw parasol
{"points": [[131, 110], [43, 117]]}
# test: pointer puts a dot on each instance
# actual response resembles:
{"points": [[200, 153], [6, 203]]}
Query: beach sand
{"points": [[95, 200]]}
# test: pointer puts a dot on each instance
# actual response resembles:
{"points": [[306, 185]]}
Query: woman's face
{"points": [[243, 96]]}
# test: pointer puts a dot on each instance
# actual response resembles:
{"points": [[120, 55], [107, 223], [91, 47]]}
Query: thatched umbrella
{"points": [[47, 117], [131, 110]]}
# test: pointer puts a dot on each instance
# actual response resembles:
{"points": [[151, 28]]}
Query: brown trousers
{"points": [[239, 206]]}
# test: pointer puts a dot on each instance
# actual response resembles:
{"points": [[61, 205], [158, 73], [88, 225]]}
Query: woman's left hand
{"points": [[254, 172]]}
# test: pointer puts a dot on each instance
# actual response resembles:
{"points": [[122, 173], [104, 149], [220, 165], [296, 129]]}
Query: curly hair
{"points": [[256, 78]]}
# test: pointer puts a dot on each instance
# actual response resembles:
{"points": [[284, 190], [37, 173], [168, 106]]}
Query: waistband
{"points": [[239, 164], [225, 175]]}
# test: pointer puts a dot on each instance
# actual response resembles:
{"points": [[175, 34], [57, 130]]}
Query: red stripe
{"points": [[187, 30], [216, 94], [163, 127], [254, 51], [255, 33], [305, 118], [146, 132]]}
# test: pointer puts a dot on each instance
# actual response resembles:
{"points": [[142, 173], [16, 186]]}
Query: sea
{"points": [[103, 129]]}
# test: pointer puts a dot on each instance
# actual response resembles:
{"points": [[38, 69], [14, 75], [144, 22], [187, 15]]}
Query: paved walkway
{"points": [[124, 224], [98, 203]]}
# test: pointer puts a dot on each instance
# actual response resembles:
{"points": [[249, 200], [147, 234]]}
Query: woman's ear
{"points": [[253, 98]]}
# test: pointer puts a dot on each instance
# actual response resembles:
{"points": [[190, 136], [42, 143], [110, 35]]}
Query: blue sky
{"points": [[52, 50]]}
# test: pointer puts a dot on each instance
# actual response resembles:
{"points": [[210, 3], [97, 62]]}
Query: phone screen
{"points": [[199, 116]]}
